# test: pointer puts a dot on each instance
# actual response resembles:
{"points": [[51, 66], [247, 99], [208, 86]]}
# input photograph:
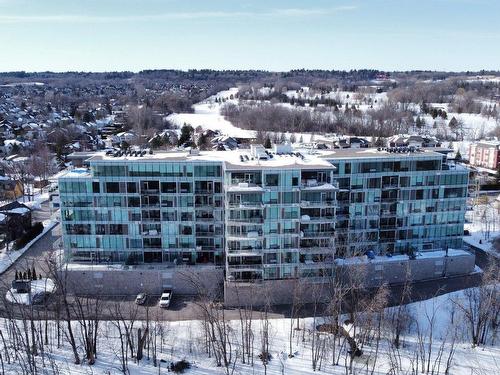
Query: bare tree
{"points": [[481, 306]]}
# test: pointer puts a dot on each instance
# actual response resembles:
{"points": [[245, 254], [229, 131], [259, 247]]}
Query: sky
{"points": [[116, 35]]}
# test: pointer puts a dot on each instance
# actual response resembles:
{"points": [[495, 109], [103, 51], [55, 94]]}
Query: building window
{"points": [[272, 179], [112, 187]]}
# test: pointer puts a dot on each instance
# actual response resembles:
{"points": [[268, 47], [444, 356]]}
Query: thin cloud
{"points": [[311, 12], [71, 18]]}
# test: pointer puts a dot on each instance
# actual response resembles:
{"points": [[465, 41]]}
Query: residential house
{"points": [[10, 188], [416, 141], [15, 220]]}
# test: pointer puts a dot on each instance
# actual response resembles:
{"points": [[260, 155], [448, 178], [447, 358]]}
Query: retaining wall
{"points": [[188, 280], [363, 272], [108, 281]]}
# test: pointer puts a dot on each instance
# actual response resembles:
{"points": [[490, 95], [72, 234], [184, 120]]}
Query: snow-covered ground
{"points": [[34, 202], [363, 100], [475, 126], [207, 115], [185, 340], [484, 224], [7, 258]]}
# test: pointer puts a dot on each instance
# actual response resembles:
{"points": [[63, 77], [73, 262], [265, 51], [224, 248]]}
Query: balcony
{"points": [[314, 234], [151, 233], [150, 191], [313, 185], [246, 205], [308, 265], [245, 267], [237, 186], [243, 221], [318, 250], [206, 218], [204, 206], [204, 192], [250, 236], [150, 205], [308, 219], [390, 186], [324, 203], [151, 219], [201, 233]]}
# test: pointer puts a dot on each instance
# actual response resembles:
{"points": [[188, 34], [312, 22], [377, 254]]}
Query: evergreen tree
{"points": [[453, 124], [458, 156], [203, 142], [33, 274], [186, 132], [156, 142], [425, 108], [434, 113], [267, 143], [419, 123], [29, 274], [380, 142]]}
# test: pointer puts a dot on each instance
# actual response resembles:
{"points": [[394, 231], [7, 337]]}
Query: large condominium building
{"points": [[262, 214]]}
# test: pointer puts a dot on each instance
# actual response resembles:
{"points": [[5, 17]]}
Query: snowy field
{"points": [[435, 329], [207, 115]]}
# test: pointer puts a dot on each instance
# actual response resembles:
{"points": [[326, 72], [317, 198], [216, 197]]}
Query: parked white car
{"points": [[165, 298]]}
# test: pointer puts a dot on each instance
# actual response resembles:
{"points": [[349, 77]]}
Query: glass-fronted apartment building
{"points": [[398, 201], [261, 214]]}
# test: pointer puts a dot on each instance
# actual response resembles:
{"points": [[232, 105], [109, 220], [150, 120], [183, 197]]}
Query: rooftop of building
{"points": [[491, 143], [282, 156], [382, 152], [255, 157]]}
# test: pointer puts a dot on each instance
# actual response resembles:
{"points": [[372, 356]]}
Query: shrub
{"points": [[180, 366], [30, 234]]}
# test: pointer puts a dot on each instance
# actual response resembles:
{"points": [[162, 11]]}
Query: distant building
{"points": [[357, 142], [224, 142], [351, 142], [15, 219], [10, 189], [406, 140], [485, 154], [79, 158], [123, 137]]}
